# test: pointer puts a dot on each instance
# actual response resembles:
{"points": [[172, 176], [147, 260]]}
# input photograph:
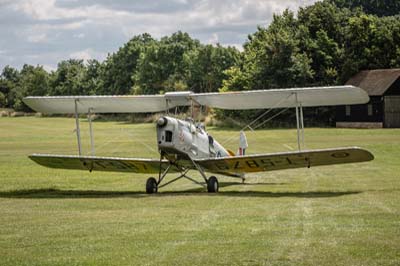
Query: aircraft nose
{"points": [[162, 121]]}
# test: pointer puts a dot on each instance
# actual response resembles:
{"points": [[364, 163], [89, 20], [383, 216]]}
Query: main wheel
{"points": [[212, 184], [151, 185]]}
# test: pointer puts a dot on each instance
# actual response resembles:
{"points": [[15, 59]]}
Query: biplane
{"points": [[185, 145]]}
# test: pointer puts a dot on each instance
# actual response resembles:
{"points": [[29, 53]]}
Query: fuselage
{"points": [[183, 139]]}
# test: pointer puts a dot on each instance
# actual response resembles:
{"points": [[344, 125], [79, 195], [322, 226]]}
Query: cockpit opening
{"points": [[168, 136]]}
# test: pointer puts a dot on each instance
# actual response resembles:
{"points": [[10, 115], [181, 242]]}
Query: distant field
{"points": [[336, 215]]}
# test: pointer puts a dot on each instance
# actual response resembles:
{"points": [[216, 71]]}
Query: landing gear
{"points": [[212, 184], [151, 185]]}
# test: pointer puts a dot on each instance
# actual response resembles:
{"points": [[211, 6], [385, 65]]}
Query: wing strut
{"points": [[302, 125], [299, 123], [78, 130], [91, 131]]}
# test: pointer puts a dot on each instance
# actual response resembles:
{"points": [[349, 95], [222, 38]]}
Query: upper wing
{"points": [[94, 163], [108, 103], [259, 99], [285, 160], [283, 98], [98, 104]]}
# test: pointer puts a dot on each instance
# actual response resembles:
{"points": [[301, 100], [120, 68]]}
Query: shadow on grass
{"points": [[73, 194], [228, 184]]}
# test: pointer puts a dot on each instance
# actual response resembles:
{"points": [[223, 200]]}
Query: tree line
{"points": [[324, 44], [143, 65]]}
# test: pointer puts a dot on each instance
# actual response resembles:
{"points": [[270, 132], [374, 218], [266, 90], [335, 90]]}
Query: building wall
{"points": [[371, 112], [381, 111], [392, 111]]}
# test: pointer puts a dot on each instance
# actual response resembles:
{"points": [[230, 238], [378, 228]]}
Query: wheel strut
{"points": [[152, 184]]}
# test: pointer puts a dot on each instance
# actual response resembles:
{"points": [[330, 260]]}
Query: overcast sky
{"points": [[47, 31]]}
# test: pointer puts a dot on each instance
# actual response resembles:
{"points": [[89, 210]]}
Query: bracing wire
{"points": [[249, 126], [140, 142], [272, 117], [111, 139], [108, 141]]}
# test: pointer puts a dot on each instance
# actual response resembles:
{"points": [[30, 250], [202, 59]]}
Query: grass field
{"points": [[336, 215]]}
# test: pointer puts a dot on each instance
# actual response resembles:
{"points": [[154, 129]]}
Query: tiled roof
{"points": [[375, 82]]}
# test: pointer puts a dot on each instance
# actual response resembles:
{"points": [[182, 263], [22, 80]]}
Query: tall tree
{"points": [[9, 79], [270, 54], [375, 7], [161, 67], [118, 69], [33, 81], [68, 78], [92, 80], [207, 66]]}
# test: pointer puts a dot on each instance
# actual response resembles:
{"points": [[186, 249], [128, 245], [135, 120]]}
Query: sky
{"points": [[45, 32]]}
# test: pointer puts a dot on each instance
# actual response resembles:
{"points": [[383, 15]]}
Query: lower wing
{"points": [[94, 163], [237, 165]]}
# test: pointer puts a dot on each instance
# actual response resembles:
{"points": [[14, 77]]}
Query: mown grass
{"points": [[336, 215]]}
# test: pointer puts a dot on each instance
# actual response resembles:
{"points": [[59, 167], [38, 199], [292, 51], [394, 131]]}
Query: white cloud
{"points": [[87, 54], [58, 29], [37, 38], [79, 35], [48, 10], [49, 68], [214, 39]]}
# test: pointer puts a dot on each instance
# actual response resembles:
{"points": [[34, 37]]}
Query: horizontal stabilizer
{"points": [[285, 160], [94, 163]]}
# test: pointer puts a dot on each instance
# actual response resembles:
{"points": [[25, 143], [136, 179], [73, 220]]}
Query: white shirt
{"points": [[243, 140]]}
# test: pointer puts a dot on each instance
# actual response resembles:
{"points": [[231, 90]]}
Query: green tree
{"points": [[207, 66], [151, 73], [375, 7], [9, 79], [92, 80], [118, 69], [321, 36], [161, 67], [269, 54], [235, 80], [32, 81], [68, 79]]}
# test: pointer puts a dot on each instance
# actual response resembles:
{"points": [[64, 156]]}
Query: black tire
{"points": [[151, 185], [212, 184]]}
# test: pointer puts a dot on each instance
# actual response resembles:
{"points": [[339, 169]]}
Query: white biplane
{"points": [[185, 145]]}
